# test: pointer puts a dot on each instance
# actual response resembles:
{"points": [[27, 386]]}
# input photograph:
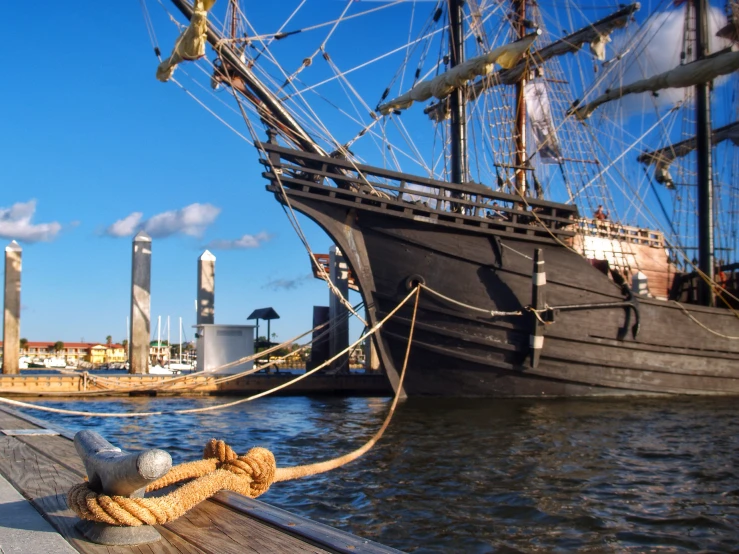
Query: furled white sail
{"points": [[663, 158], [191, 43], [540, 118], [688, 75], [442, 86], [597, 35]]}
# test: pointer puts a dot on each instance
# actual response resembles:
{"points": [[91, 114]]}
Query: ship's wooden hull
{"points": [[460, 352]]}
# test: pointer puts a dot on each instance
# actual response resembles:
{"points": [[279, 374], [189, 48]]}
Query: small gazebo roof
{"points": [[264, 313]]}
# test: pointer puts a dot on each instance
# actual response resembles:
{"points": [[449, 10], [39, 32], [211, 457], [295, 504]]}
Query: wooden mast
{"points": [[457, 103], [705, 177], [234, 17], [519, 133]]}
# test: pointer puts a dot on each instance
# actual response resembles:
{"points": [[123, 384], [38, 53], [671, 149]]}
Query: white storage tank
{"points": [[218, 345]]}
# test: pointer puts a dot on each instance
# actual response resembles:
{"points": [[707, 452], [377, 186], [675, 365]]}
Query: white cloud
{"points": [[191, 220], [247, 241], [125, 227], [15, 223]]}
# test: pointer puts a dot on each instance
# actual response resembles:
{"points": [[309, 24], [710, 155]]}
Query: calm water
{"points": [[648, 475]]}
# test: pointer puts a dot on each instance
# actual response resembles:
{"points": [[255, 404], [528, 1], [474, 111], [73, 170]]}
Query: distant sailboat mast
{"points": [[180, 343], [167, 340], [159, 336]]}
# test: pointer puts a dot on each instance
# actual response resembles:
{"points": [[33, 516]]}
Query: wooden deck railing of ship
{"points": [[378, 189], [625, 233], [726, 277]]}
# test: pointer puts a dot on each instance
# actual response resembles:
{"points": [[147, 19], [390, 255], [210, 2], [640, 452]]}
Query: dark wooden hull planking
{"points": [[461, 352]]}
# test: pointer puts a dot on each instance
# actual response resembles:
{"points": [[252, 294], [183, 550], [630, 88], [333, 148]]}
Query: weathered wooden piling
{"points": [[140, 304], [206, 288], [319, 345], [339, 331], [12, 303]]}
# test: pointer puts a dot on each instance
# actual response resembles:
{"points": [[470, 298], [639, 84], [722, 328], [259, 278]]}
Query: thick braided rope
{"points": [[221, 469]]}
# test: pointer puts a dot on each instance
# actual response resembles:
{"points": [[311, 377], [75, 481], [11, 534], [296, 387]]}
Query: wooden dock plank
{"points": [[232, 532], [43, 468], [180, 543], [320, 534]]}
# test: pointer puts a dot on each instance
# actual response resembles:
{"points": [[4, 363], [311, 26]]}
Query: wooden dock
{"points": [[43, 468], [196, 385]]}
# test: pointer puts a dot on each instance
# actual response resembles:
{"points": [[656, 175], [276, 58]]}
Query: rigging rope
{"points": [[293, 218], [150, 30]]}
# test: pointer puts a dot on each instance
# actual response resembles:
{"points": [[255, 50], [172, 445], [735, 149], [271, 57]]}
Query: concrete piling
{"points": [[206, 288], [140, 304], [12, 303], [339, 332]]}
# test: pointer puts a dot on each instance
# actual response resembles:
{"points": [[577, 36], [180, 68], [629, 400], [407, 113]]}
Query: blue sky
{"points": [[90, 138]]}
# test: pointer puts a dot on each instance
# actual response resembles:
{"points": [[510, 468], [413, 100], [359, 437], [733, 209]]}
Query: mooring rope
{"points": [[687, 313], [491, 313], [220, 469]]}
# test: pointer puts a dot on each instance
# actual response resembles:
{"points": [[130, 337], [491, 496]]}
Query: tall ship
{"points": [[560, 180]]}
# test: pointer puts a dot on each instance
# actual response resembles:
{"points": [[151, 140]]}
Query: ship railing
{"points": [[685, 286], [624, 233], [377, 189]]}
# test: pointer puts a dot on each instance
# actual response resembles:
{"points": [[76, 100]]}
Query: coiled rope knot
{"points": [[220, 469], [258, 464]]}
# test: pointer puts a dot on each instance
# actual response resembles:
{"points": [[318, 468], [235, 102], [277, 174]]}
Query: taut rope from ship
{"points": [[369, 333], [220, 469], [687, 313]]}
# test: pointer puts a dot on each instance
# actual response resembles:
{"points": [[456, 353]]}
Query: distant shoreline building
{"points": [[95, 353]]}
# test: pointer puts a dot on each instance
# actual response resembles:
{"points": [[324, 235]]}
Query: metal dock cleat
{"points": [[113, 472]]}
